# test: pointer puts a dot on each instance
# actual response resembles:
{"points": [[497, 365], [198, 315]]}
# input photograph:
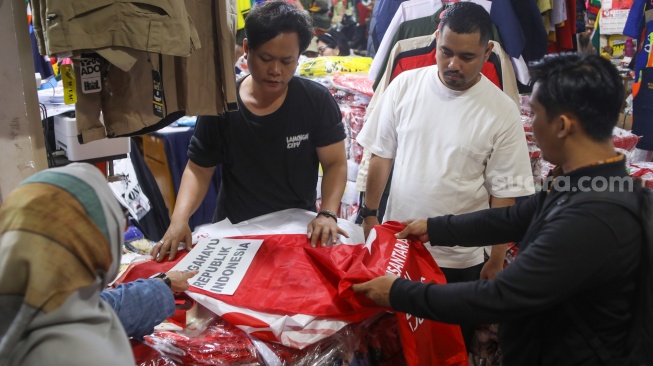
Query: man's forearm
{"points": [[334, 181], [498, 252], [194, 185], [377, 178]]}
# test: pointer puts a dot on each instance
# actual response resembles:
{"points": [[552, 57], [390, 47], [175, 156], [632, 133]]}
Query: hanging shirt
{"points": [[382, 15], [408, 10], [640, 27]]}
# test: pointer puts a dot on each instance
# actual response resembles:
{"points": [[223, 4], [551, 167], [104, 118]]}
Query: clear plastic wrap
{"points": [[642, 171], [624, 139], [210, 340], [374, 341], [354, 83]]}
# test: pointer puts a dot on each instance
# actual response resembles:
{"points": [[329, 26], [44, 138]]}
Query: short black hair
{"points": [[585, 85], [467, 18], [335, 39], [271, 18]]}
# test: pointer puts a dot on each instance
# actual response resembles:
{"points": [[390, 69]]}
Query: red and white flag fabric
{"points": [[297, 295]]}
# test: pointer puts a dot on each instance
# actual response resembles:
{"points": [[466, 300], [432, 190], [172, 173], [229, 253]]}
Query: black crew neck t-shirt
{"points": [[269, 163]]}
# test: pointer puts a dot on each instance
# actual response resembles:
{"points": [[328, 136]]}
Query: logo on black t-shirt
{"points": [[294, 141]]}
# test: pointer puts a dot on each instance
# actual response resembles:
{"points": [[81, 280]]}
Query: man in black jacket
{"points": [[577, 258]]}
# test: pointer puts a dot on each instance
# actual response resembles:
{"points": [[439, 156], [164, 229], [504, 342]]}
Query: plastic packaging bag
{"points": [[325, 65], [211, 342]]}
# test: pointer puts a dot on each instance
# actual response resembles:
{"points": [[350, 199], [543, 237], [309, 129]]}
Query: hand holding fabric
{"points": [[418, 228], [378, 289], [178, 232], [325, 230]]}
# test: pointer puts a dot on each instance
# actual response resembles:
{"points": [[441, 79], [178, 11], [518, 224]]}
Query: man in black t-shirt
{"points": [[269, 149]]}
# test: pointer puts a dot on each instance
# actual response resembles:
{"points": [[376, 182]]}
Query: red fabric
{"points": [[287, 276], [425, 342], [220, 344], [287, 267], [565, 33], [298, 279], [428, 59], [624, 139], [364, 13], [357, 83]]}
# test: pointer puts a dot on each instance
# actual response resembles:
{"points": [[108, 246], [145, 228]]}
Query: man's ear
{"points": [[437, 34], [567, 125], [245, 48], [488, 50]]}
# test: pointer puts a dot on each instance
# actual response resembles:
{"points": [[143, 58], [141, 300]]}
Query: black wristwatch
{"points": [[366, 212], [164, 277]]}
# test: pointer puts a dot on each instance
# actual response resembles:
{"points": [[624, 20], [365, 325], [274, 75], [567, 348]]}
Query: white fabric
{"points": [[295, 331], [299, 330], [290, 221], [521, 70], [408, 10], [451, 151], [558, 13]]}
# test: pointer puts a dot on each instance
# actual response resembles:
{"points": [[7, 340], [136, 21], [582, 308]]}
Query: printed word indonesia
{"points": [[216, 265]]}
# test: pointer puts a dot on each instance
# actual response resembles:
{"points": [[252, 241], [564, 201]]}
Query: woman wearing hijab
{"points": [[61, 235]]}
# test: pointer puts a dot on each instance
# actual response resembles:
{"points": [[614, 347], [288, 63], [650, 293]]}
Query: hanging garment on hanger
{"points": [[408, 10], [413, 28], [531, 23], [416, 28], [512, 36], [382, 15], [156, 90], [643, 99], [563, 25], [155, 26], [639, 26]]}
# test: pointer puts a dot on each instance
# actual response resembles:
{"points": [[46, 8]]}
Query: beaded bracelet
{"points": [[328, 213]]}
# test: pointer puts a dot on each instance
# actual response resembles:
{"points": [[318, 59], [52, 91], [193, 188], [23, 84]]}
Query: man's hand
{"points": [[378, 289], [491, 268], [179, 280], [368, 224], [418, 228], [325, 230], [177, 232]]}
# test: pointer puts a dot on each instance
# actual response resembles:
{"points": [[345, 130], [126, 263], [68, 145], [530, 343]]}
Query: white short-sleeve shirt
{"points": [[451, 151]]}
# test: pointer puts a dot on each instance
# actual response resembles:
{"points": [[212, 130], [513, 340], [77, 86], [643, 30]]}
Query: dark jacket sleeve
{"points": [[574, 252], [485, 227]]}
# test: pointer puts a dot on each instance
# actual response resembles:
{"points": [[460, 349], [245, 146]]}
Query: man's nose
{"points": [[454, 63], [275, 68]]}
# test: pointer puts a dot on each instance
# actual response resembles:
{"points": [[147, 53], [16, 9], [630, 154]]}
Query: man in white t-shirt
{"points": [[456, 140]]}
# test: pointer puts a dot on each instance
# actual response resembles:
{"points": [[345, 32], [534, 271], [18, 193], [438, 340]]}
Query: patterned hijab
{"points": [[61, 234]]}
